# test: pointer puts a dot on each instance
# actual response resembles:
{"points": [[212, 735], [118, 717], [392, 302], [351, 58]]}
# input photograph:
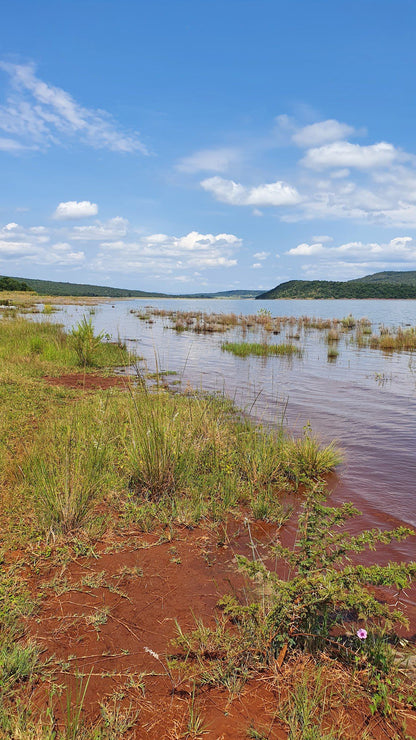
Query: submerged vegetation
{"points": [[88, 474]]}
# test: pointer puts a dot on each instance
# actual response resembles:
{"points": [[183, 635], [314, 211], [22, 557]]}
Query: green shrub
{"points": [[325, 590]]}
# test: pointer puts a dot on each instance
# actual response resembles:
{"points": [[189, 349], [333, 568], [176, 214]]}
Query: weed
{"points": [[195, 726], [74, 708], [304, 710], [17, 662], [324, 591], [117, 720]]}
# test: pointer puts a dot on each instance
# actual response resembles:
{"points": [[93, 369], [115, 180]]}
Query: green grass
{"points": [[245, 349], [66, 471], [35, 348]]}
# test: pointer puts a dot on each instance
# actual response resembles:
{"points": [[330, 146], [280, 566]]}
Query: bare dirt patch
{"points": [[112, 618], [87, 381]]}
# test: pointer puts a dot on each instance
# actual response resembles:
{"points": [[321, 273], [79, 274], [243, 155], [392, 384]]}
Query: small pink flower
{"points": [[362, 634]]}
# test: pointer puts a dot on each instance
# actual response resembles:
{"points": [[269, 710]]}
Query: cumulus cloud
{"points": [[374, 183], [304, 249], [33, 244], [168, 253], [322, 132], [114, 246], [261, 255], [214, 160], [37, 115], [345, 154], [277, 193], [401, 251], [73, 209]]}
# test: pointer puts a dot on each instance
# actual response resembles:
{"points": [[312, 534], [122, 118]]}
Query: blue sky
{"points": [[184, 145]]}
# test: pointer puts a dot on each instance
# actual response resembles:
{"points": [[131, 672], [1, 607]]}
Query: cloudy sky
{"points": [[183, 145]]}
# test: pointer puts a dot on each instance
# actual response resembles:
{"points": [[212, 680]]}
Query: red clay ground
{"points": [[103, 616], [86, 381]]}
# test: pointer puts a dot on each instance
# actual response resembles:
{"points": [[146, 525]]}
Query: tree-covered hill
{"points": [[407, 277], [379, 285]]}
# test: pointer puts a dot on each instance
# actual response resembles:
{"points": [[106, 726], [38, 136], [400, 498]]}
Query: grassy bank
{"points": [[143, 539]]}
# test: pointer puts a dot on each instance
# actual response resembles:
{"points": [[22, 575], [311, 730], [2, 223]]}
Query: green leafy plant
{"points": [[326, 591]]}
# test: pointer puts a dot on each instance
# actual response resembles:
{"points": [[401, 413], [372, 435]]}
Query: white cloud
{"points": [[75, 209], [375, 183], [306, 249], [215, 160], [37, 114], [113, 246], [277, 193], [345, 154], [322, 132], [256, 265], [261, 255], [31, 244], [401, 251], [114, 228], [168, 253], [10, 145]]}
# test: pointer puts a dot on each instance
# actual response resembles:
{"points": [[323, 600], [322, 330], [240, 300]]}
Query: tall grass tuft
{"points": [[85, 342], [67, 471], [156, 444], [306, 458]]}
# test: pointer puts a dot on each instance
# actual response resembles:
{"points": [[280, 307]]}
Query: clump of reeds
{"points": [[390, 340], [332, 354], [333, 335], [244, 349], [348, 322]]}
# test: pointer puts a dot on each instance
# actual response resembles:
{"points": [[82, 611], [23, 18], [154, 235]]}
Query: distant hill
{"points": [[379, 285], [51, 287], [224, 294]]}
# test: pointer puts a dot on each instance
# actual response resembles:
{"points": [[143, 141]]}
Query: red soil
{"points": [[182, 581], [87, 381]]}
